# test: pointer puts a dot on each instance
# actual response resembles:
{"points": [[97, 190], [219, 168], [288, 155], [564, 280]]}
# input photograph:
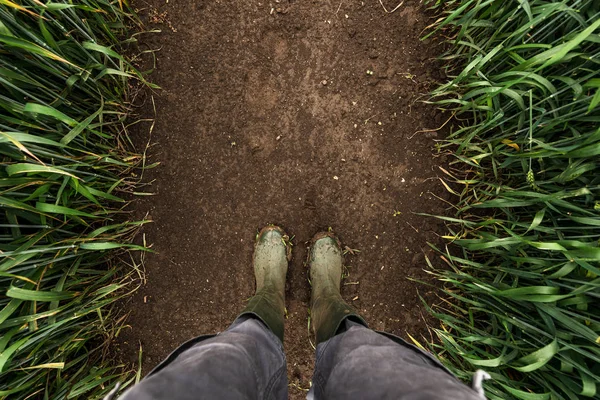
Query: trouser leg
{"points": [[268, 305], [359, 363], [244, 362]]}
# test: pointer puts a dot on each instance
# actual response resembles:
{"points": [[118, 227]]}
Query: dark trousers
{"points": [[247, 362]]}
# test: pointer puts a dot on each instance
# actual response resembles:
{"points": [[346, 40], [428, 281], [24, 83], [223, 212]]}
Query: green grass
{"points": [[523, 277], [67, 168]]}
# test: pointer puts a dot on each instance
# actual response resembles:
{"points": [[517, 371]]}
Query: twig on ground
{"points": [[389, 12], [416, 230], [433, 130], [371, 117]]}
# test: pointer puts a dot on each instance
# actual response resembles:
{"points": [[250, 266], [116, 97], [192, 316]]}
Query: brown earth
{"points": [[302, 114]]}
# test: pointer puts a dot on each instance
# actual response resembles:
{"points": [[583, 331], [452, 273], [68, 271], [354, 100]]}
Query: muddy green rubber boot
{"points": [[328, 310], [272, 252]]}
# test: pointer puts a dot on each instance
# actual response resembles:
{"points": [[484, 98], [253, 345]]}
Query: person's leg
{"points": [[271, 255], [355, 362], [327, 310], [244, 362]]}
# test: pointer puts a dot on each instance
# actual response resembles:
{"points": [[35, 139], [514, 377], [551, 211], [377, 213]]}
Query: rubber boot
{"points": [[271, 255], [328, 310]]}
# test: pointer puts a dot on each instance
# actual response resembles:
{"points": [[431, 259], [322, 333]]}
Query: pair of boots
{"points": [[327, 308]]}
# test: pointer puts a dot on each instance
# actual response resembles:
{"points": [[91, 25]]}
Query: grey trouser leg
{"points": [[362, 364], [244, 362]]}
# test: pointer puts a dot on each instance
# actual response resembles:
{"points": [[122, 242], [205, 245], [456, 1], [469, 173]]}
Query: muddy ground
{"points": [[302, 114]]}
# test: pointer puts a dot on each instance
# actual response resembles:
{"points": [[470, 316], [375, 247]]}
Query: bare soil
{"points": [[303, 114]]}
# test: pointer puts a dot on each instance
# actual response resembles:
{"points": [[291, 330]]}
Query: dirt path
{"points": [[301, 114]]}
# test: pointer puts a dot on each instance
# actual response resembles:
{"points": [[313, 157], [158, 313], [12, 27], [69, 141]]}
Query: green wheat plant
{"points": [[66, 171], [522, 283]]}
